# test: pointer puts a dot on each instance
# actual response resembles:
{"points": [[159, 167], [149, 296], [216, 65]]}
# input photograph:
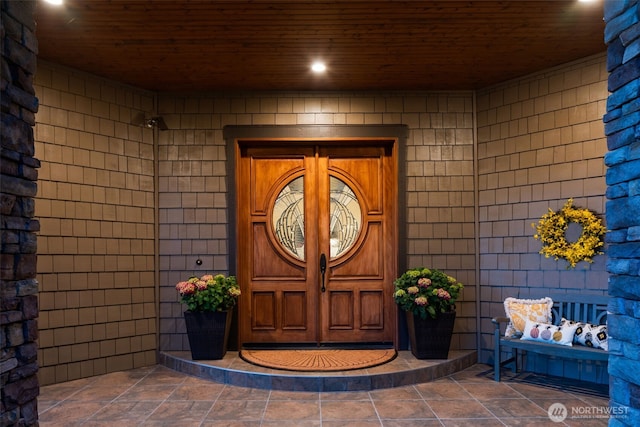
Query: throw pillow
{"points": [[519, 310], [589, 335], [552, 334]]}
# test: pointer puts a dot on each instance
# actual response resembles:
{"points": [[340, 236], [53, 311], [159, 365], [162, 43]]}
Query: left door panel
{"points": [[274, 215]]}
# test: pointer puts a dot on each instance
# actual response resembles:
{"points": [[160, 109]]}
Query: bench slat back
{"points": [[582, 308]]}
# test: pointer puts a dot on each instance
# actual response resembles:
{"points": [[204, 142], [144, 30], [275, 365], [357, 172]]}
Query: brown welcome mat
{"points": [[318, 359]]}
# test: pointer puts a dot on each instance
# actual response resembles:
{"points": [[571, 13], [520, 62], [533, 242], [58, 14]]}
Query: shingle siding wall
{"points": [[540, 142], [96, 250], [194, 188]]}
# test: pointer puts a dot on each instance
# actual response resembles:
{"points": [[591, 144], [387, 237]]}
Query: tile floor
{"points": [[158, 396]]}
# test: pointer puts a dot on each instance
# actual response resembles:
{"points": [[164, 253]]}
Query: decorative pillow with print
{"points": [[552, 334], [521, 310], [589, 335]]}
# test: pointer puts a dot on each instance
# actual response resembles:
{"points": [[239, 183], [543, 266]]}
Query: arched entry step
{"points": [[403, 370]]}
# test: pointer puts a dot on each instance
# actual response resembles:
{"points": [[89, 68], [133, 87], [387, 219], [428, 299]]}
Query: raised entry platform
{"points": [[405, 369]]}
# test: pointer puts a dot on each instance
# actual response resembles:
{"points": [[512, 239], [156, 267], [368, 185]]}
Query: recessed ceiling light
{"points": [[318, 67], [54, 2]]}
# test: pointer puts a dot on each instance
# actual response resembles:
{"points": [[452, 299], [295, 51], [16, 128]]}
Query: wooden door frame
{"points": [[235, 135]]}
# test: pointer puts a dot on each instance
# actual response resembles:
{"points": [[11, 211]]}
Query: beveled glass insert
{"points": [[288, 217], [345, 217]]}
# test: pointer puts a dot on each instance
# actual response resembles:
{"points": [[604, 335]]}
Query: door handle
{"points": [[323, 270]]}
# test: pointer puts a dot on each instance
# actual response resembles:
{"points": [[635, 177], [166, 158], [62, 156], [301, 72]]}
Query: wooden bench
{"points": [[580, 308]]}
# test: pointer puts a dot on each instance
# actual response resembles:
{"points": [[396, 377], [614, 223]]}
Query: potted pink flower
{"points": [[428, 297], [210, 301]]}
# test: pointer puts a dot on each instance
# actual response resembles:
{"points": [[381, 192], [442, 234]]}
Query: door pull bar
{"points": [[323, 269]]}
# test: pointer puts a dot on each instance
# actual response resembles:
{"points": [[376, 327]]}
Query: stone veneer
{"points": [[18, 285], [622, 127]]}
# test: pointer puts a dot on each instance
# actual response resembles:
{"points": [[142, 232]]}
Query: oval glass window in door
{"points": [[345, 217], [288, 217]]}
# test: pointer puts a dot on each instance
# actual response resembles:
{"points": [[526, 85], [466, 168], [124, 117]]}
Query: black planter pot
{"points": [[430, 338], [208, 333]]}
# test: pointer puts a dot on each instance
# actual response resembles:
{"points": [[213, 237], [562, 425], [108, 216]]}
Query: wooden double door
{"points": [[317, 242]]}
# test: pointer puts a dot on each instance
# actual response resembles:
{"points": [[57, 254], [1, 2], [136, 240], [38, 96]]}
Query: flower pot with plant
{"points": [[210, 301], [428, 297]]}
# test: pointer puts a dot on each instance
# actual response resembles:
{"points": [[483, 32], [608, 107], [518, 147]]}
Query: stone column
{"points": [[622, 127], [18, 175]]}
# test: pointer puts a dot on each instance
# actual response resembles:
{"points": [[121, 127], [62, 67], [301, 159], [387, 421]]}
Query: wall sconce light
{"points": [[156, 122], [150, 122]]}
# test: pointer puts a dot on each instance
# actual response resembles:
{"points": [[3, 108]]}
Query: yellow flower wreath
{"points": [[551, 231]]}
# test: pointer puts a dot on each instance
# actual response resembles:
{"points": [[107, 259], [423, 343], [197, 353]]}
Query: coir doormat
{"points": [[318, 359]]}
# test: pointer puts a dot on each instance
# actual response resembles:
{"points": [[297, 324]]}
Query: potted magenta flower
{"points": [[210, 300]]}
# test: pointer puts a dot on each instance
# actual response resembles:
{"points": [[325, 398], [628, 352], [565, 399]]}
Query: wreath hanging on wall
{"points": [[551, 231]]}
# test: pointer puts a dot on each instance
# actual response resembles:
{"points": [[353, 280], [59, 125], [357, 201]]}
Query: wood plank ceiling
{"points": [[191, 45]]}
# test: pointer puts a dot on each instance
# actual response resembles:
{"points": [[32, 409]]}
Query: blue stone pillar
{"points": [[622, 128]]}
